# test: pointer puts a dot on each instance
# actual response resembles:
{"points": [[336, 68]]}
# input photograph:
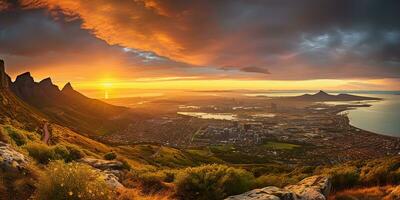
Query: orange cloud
{"points": [[314, 40]]}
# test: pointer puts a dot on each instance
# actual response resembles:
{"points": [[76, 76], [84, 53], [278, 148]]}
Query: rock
{"points": [[103, 164], [112, 180], [267, 193], [4, 78], [10, 159], [109, 170], [311, 188]]}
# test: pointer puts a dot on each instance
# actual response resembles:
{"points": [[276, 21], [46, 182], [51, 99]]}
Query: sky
{"points": [[204, 44]]}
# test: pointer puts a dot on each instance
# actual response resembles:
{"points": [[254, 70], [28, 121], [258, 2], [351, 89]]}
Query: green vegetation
{"points": [[75, 153], [72, 181], [212, 182], [44, 154], [376, 172], [278, 180], [227, 147], [202, 156], [151, 183], [343, 176], [17, 136], [41, 152], [110, 156], [280, 145]]}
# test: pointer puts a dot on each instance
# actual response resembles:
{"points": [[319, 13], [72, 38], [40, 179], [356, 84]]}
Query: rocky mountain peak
{"points": [[47, 86], [3, 82], [24, 78], [67, 87], [321, 93], [46, 82]]}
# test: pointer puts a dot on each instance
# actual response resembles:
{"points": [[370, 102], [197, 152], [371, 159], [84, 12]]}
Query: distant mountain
{"points": [[323, 96], [68, 107]]}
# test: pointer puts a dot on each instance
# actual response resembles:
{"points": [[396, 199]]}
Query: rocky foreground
{"points": [[311, 188]]}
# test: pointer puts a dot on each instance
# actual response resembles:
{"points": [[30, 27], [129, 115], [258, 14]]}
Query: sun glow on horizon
{"points": [[121, 88]]}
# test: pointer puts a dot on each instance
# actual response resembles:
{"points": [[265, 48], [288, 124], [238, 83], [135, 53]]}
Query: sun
{"points": [[107, 85]]}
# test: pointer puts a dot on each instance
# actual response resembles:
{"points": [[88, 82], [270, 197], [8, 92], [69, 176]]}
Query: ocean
{"points": [[383, 117]]}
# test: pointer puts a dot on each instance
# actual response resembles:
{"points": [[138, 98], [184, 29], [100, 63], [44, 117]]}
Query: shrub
{"points": [[278, 180], [72, 181], [381, 172], [110, 156], [125, 164], [41, 152], [210, 182], [18, 137], [151, 183], [344, 176], [169, 177], [75, 153], [61, 152]]}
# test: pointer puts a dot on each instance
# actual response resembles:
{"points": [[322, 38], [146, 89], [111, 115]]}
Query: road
{"points": [[46, 133]]}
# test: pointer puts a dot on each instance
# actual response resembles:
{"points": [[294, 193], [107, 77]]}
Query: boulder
{"points": [[311, 188], [267, 193], [112, 180], [10, 159], [103, 164]]}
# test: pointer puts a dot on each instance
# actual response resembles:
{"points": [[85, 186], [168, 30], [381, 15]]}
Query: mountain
{"points": [[323, 96], [13, 110], [68, 107]]}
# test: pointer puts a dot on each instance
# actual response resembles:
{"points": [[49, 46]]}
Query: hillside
{"points": [[15, 111], [70, 108]]}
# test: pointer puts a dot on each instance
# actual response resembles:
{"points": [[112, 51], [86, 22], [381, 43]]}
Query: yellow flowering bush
{"points": [[72, 181]]}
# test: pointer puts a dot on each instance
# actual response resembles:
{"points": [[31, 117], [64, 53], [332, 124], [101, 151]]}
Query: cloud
{"points": [[255, 70], [305, 39]]}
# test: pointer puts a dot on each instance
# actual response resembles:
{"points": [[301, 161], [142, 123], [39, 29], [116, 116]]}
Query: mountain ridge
{"points": [[67, 106], [324, 96]]}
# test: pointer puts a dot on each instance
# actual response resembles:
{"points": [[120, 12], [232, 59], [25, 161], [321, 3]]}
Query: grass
{"points": [[371, 193], [200, 156], [225, 147], [18, 136], [280, 145], [212, 182]]}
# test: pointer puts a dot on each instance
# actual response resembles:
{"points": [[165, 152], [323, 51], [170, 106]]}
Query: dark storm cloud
{"points": [[314, 38], [36, 38]]}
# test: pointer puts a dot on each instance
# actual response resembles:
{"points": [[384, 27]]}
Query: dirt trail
{"points": [[46, 133]]}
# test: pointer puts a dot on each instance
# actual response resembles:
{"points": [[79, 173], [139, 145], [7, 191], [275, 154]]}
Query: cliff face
{"points": [[5, 80]]}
